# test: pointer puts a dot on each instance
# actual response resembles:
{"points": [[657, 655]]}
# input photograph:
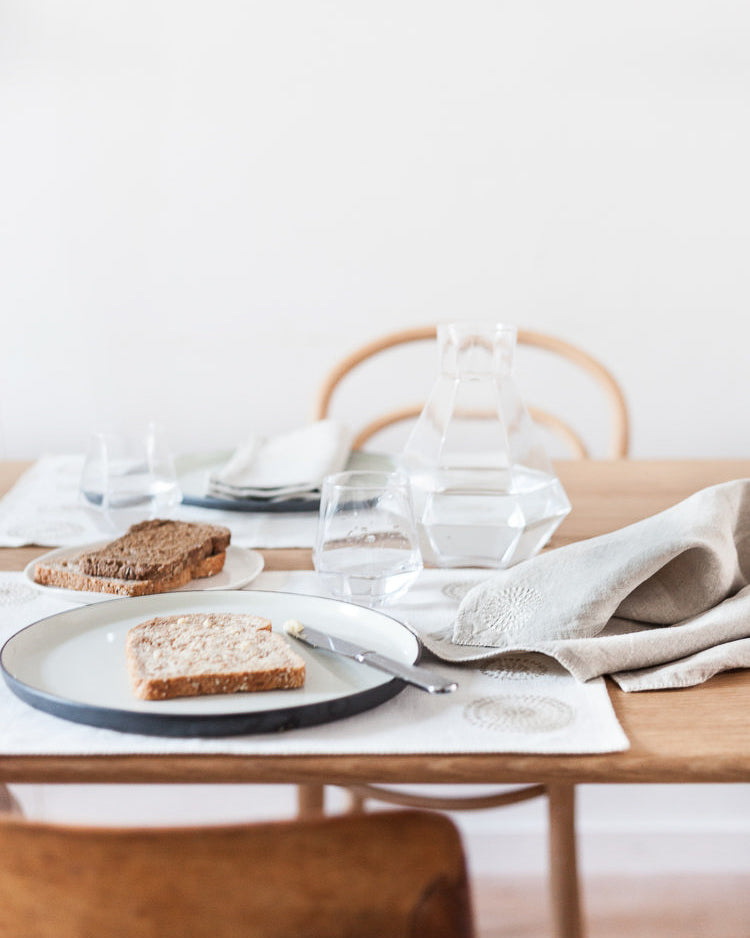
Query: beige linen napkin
{"points": [[288, 465], [661, 603]]}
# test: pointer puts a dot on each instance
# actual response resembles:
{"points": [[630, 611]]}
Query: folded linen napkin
{"points": [[289, 465], [661, 603]]}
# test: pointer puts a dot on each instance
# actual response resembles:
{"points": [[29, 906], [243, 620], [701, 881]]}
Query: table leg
{"points": [[310, 801], [563, 863]]}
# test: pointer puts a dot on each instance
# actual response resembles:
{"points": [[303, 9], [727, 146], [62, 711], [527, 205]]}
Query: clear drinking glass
{"points": [[126, 479], [367, 549]]}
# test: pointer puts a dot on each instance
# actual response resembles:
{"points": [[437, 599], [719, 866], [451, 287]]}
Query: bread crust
{"points": [[155, 549], [238, 683], [176, 656], [69, 575]]}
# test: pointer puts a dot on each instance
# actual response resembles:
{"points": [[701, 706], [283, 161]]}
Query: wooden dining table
{"points": [[688, 735], [693, 734]]}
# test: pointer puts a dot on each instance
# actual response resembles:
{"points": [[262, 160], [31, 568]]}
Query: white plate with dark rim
{"points": [[73, 665], [240, 568], [194, 470]]}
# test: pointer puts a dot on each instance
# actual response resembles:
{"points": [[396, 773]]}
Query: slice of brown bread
{"points": [[192, 655], [67, 574], [154, 549]]}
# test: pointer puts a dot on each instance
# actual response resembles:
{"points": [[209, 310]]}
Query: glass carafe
{"points": [[485, 493]]}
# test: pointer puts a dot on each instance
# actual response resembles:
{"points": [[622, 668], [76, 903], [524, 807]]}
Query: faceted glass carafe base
{"points": [[470, 525]]}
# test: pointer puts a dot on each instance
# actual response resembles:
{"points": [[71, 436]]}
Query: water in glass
{"points": [[367, 547], [129, 479]]}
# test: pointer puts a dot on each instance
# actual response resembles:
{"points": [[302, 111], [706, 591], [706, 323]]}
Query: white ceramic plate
{"points": [[241, 567], [73, 665], [193, 473]]}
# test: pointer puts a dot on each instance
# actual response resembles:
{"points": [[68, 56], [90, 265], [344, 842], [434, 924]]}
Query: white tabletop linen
{"points": [[43, 508], [514, 703]]}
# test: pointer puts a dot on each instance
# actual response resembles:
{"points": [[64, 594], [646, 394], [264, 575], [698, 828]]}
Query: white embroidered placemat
{"points": [[43, 508], [515, 703]]}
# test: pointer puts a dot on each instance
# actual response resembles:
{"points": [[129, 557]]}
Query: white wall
{"points": [[203, 206]]}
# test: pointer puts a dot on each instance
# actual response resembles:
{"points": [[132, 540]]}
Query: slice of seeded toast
{"points": [[192, 655]]}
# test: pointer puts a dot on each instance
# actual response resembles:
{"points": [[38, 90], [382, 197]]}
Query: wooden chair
{"points": [[398, 874], [564, 889], [619, 441], [8, 802]]}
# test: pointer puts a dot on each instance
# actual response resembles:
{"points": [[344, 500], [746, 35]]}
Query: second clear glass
{"points": [[367, 548], [127, 479]]}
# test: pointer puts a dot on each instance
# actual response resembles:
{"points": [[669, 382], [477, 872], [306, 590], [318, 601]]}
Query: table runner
{"points": [[514, 703], [43, 508]]}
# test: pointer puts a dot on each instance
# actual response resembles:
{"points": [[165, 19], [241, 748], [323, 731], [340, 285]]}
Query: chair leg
{"points": [[9, 803], [563, 863], [355, 802], [310, 801]]}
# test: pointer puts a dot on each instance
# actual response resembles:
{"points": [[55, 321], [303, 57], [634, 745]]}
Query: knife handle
{"points": [[428, 680]]}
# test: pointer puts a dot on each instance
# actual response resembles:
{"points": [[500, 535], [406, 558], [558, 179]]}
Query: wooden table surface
{"points": [[697, 734]]}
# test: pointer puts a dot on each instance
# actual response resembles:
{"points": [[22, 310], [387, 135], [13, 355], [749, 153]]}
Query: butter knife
{"points": [[413, 674]]}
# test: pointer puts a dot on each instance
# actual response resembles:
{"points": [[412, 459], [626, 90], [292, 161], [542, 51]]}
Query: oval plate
{"points": [[73, 665]]}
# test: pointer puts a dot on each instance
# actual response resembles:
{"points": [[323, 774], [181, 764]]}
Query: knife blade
{"points": [[411, 673]]}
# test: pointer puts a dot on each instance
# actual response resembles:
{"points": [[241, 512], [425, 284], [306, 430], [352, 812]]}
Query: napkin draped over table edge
{"points": [[288, 465], [661, 603]]}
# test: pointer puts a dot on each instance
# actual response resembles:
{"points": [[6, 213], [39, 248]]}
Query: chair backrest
{"points": [[387, 873], [619, 442]]}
